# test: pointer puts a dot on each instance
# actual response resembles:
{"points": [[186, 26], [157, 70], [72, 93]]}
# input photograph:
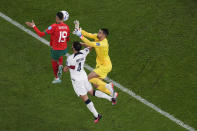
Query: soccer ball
{"points": [[66, 15]]}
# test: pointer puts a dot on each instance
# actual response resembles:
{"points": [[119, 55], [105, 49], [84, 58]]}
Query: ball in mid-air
{"points": [[66, 15]]}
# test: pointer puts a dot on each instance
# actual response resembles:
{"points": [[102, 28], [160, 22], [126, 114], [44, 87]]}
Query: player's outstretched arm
{"points": [[89, 43], [85, 40], [89, 35], [32, 25]]}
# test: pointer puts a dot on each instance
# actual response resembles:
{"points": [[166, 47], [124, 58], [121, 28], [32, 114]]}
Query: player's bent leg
{"points": [[92, 75], [55, 58], [84, 97], [57, 55], [98, 82], [101, 85], [100, 94], [102, 71], [91, 108], [94, 79], [91, 92], [60, 55]]}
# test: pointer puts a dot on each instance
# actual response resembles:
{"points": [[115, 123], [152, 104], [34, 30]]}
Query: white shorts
{"points": [[81, 87]]}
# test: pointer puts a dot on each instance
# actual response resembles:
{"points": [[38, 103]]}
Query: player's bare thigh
{"points": [[92, 75], [84, 97], [91, 92]]}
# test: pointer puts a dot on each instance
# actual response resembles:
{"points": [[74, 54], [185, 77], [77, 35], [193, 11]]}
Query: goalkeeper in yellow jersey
{"points": [[103, 62]]}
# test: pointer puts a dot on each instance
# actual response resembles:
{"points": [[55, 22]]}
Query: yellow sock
{"points": [[101, 85]]}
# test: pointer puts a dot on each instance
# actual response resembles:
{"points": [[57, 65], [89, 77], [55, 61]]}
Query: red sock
{"points": [[55, 68], [61, 60]]}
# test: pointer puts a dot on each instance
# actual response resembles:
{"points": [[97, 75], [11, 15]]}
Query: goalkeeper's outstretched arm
{"points": [[89, 43], [89, 35]]}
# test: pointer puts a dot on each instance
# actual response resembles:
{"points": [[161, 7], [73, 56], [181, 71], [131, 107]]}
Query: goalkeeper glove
{"points": [[77, 32], [76, 22]]}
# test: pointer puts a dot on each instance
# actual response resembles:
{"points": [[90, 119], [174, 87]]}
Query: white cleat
{"points": [[56, 80]]}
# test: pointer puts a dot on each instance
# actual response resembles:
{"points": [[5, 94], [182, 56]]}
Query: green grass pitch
{"points": [[153, 51]]}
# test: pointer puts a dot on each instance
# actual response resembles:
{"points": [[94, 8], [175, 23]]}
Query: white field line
{"points": [[122, 88]]}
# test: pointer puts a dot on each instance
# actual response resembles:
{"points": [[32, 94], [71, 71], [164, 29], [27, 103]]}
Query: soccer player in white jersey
{"points": [[81, 85]]}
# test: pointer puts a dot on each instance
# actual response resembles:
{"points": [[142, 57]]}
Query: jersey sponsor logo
{"points": [[98, 44], [50, 27]]}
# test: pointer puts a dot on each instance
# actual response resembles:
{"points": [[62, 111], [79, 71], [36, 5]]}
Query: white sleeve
{"points": [[67, 62], [85, 51], [70, 61]]}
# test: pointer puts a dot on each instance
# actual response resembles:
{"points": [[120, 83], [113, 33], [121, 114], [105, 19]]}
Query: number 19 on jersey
{"points": [[63, 36]]}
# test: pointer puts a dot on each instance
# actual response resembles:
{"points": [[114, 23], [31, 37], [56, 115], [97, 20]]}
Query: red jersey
{"points": [[59, 35]]}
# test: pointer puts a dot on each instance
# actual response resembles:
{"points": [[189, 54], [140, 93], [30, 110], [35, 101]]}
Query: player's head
{"points": [[59, 17], [76, 46], [103, 33]]}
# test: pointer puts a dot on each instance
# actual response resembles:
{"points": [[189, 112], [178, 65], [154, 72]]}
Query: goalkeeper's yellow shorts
{"points": [[102, 70]]}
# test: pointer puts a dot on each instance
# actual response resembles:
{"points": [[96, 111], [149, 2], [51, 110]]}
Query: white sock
{"points": [[109, 87], [90, 106], [102, 95], [60, 66]]}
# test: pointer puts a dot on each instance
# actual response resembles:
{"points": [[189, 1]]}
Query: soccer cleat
{"points": [[56, 80], [114, 99], [113, 92], [98, 118], [59, 73]]}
